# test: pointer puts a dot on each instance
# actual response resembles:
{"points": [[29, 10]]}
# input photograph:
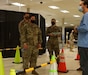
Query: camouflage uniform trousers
{"points": [[71, 45], [30, 55], [53, 48]]}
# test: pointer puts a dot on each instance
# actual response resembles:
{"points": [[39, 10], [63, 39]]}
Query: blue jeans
{"points": [[83, 59]]}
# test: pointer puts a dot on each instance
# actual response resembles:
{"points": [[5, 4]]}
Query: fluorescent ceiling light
{"points": [[76, 16], [17, 4], [72, 24], [53, 7], [64, 11], [65, 23]]}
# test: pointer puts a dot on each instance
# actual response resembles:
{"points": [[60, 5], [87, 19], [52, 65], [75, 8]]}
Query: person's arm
{"points": [[22, 31], [59, 32], [84, 24], [48, 32], [39, 38]]}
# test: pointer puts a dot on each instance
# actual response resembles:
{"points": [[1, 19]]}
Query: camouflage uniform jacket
{"points": [[30, 33], [55, 30], [75, 35], [71, 37]]}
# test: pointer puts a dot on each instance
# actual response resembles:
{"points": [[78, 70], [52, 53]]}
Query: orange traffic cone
{"points": [[77, 57], [62, 64]]}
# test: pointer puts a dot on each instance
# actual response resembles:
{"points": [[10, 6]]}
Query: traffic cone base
{"points": [[17, 62], [62, 64], [78, 57], [64, 72], [62, 67], [17, 56], [12, 72], [53, 72]]}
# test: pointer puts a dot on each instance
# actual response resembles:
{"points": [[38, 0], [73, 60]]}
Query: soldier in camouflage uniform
{"points": [[75, 33], [71, 41], [31, 39], [53, 42]]}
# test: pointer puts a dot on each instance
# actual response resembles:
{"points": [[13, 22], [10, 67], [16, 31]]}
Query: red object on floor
{"points": [[62, 64], [77, 57]]}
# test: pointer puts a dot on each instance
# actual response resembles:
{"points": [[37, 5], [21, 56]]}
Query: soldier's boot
{"points": [[34, 72], [58, 60], [22, 74], [79, 69], [71, 50]]}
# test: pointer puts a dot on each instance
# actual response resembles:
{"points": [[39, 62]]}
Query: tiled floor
{"points": [[71, 64]]}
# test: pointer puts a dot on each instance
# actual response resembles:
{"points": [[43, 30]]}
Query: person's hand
{"points": [[25, 46], [39, 45], [75, 29], [59, 35], [50, 34]]}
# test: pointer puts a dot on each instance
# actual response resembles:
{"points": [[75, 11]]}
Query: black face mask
{"points": [[27, 17], [33, 21], [53, 23]]}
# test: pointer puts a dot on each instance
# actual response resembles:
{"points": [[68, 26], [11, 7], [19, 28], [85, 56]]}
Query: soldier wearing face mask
{"points": [[53, 32], [22, 31], [24, 22], [31, 40], [22, 26]]}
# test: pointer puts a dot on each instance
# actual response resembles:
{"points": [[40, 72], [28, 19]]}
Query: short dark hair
{"points": [[32, 15], [53, 19], [85, 2], [28, 13]]}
